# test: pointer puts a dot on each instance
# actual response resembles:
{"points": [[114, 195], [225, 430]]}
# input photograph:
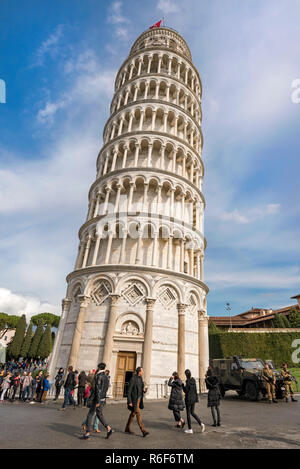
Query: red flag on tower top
{"points": [[156, 25]]}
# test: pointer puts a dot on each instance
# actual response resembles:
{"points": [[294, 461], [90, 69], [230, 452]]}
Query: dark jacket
{"points": [[70, 382], [82, 378], [135, 390], [99, 388], [214, 395], [176, 398], [59, 379], [190, 390]]}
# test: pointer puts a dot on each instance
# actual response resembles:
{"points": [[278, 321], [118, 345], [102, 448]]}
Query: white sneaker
{"points": [[32, 402], [188, 431], [202, 427]]}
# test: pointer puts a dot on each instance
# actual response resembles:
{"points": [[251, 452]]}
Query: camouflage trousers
{"points": [[271, 391], [288, 387]]}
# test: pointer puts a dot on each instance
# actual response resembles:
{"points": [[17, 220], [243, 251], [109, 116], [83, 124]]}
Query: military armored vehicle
{"points": [[244, 375]]}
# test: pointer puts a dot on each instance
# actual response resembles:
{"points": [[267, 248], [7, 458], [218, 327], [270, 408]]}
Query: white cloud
{"points": [[250, 216], [118, 20], [49, 46], [12, 303], [262, 278], [168, 6]]}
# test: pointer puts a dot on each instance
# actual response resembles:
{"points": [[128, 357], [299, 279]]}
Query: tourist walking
{"points": [[15, 383], [59, 381], [82, 379], [214, 396], [97, 401], [69, 386], [39, 386], [191, 397], [46, 387], [135, 404], [27, 387], [176, 403], [5, 385]]}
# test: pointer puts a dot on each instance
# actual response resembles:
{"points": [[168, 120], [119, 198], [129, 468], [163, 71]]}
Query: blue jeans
{"points": [[26, 393], [68, 398]]}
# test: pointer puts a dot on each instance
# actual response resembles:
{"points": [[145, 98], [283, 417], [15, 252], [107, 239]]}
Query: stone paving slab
{"points": [[245, 425]]}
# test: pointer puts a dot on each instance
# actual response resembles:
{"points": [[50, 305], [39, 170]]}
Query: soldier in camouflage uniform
{"points": [[270, 380], [288, 383]]}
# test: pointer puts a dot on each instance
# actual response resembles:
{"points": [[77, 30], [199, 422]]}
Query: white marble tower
{"points": [[137, 294]]}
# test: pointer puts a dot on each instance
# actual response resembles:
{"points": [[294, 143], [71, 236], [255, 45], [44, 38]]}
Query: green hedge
{"points": [[276, 346]]}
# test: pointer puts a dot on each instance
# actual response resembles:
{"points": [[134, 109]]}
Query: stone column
{"points": [[108, 249], [136, 157], [109, 338], [123, 247], [87, 251], [147, 349], [181, 340], [125, 157], [144, 204], [149, 64], [117, 201], [130, 123], [130, 196], [80, 256], [203, 347], [154, 252], [96, 250], [114, 160], [96, 211], [108, 190], [142, 120], [66, 304], [138, 258], [170, 253], [78, 331]]}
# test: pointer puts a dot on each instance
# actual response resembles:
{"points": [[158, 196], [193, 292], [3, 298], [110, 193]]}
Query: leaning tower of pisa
{"points": [[137, 296]]}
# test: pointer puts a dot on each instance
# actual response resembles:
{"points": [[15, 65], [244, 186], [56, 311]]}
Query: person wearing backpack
{"points": [[214, 395], [59, 381], [97, 401], [191, 397], [69, 386]]}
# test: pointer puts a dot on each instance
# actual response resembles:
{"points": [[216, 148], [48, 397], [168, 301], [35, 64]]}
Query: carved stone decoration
{"points": [[130, 328], [167, 297], [193, 304], [134, 293], [101, 292]]}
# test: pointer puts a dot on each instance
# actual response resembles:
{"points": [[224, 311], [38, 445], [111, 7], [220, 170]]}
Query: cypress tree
{"points": [[32, 353], [294, 318], [26, 341], [212, 328], [44, 348], [278, 321], [15, 345], [286, 321], [52, 339]]}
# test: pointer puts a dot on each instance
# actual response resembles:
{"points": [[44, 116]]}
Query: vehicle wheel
{"points": [[222, 390], [251, 391], [279, 394]]}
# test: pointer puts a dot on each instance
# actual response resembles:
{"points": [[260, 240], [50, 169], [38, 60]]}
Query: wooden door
{"points": [[125, 365]]}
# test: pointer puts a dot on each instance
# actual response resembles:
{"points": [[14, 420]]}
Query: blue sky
{"points": [[59, 59]]}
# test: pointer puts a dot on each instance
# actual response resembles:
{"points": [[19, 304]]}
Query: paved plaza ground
{"points": [[245, 425]]}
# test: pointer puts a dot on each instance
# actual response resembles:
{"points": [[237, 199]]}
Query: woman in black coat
{"points": [[176, 400], [191, 397], [82, 379], [214, 395]]}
